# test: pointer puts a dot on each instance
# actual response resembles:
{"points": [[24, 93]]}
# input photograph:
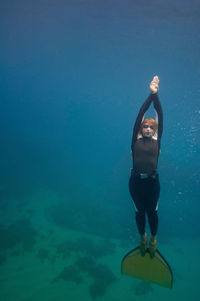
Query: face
{"points": [[148, 130]]}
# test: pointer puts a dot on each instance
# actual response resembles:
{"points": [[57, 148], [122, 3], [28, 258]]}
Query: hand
{"points": [[154, 85]]}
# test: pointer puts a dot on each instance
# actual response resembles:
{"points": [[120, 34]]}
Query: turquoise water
{"points": [[73, 77]]}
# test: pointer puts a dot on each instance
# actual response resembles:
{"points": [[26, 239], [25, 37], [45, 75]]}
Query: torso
{"points": [[145, 156]]}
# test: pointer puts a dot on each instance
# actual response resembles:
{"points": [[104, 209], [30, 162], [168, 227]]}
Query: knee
{"points": [[140, 214], [152, 215]]}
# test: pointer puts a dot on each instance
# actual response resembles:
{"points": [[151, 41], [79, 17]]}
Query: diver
{"points": [[144, 182]]}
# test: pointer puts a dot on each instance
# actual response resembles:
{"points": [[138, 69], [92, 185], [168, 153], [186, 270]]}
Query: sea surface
{"points": [[73, 75]]}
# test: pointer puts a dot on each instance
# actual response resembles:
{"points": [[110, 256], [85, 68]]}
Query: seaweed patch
{"points": [[87, 247], [69, 273], [101, 275], [103, 278], [19, 232]]}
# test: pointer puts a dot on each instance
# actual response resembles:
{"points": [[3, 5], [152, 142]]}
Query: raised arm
{"points": [[154, 87], [139, 118], [158, 108]]}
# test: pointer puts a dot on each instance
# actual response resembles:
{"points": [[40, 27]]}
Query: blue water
{"points": [[73, 77]]}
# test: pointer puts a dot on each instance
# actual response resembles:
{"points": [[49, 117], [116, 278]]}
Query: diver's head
{"points": [[148, 127]]}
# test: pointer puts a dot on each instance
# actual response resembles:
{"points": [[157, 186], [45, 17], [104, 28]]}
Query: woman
{"points": [[144, 183]]}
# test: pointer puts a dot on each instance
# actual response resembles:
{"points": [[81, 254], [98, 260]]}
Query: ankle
{"points": [[144, 237], [152, 238]]}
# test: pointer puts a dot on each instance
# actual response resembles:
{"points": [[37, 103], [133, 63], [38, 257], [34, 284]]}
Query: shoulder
{"points": [[139, 136], [155, 136]]}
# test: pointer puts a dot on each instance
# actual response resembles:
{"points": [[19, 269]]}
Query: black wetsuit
{"points": [[144, 183]]}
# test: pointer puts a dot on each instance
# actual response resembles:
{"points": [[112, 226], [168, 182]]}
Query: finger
{"points": [[156, 79]]}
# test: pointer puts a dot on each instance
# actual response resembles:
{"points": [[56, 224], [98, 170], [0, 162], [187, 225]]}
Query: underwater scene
{"points": [[74, 74]]}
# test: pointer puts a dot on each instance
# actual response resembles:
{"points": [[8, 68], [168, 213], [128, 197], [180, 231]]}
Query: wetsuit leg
{"points": [[136, 191], [152, 204]]}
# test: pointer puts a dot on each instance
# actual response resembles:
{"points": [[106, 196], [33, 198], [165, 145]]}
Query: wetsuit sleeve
{"points": [[139, 118], [158, 108]]}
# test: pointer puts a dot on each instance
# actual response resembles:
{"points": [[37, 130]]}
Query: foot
{"points": [[152, 245], [154, 85], [143, 244]]}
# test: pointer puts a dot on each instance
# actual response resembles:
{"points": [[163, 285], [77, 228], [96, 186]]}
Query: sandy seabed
{"points": [[65, 265]]}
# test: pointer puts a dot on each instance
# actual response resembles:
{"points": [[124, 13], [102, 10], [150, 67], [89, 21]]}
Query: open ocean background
{"points": [[73, 75]]}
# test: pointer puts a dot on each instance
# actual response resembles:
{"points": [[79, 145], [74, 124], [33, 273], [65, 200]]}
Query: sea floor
{"points": [[41, 261]]}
